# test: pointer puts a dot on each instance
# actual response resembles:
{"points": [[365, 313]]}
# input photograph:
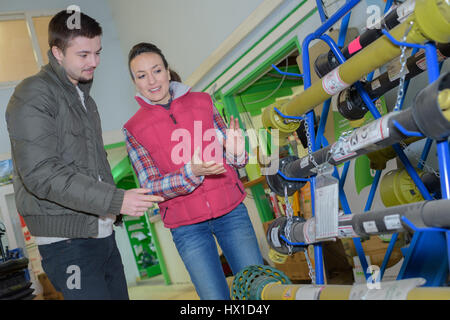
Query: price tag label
{"points": [[392, 222], [332, 83], [374, 132], [274, 237], [326, 206]]}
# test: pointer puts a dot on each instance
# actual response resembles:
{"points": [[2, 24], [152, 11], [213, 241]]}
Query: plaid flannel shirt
{"points": [[177, 183]]}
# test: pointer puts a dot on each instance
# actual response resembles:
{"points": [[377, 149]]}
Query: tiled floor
{"points": [[156, 289]]}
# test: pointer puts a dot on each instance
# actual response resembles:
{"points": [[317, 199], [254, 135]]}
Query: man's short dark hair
{"points": [[61, 31]]}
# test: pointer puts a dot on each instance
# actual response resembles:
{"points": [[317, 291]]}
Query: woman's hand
{"points": [[200, 168], [235, 141]]}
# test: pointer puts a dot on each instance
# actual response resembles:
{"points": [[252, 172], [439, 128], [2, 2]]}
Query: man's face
{"points": [[81, 58]]}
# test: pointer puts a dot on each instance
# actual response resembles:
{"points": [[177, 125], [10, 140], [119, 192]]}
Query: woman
{"points": [[176, 143]]}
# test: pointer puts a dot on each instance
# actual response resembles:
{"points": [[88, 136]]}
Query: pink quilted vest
{"points": [[192, 114]]}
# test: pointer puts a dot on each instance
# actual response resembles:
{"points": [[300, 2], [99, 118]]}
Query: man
{"points": [[62, 180]]}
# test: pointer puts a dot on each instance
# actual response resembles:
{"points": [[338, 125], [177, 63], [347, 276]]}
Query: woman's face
{"points": [[151, 78]]}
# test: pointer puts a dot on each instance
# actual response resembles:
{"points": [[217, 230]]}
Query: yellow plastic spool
{"points": [[444, 103], [271, 119], [433, 18], [277, 257], [357, 123], [397, 188], [379, 158]]}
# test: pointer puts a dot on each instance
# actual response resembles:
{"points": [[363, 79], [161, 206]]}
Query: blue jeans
{"points": [[198, 250], [85, 269]]}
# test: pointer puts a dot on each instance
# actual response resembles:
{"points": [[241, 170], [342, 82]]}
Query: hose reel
{"points": [[250, 282], [277, 183]]}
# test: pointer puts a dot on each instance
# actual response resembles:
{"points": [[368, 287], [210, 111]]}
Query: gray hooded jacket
{"points": [[62, 179]]}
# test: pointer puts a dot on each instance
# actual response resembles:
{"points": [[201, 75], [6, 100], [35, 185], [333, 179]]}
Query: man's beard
{"points": [[84, 80]]}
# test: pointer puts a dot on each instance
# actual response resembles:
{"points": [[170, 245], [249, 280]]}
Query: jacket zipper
{"points": [[237, 184], [173, 119], [165, 212]]}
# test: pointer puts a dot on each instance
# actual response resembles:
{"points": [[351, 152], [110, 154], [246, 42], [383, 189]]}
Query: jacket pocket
{"points": [[165, 212]]}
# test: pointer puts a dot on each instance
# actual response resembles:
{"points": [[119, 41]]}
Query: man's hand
{"points": [[136, 202], [200, 168], [235, 141]]}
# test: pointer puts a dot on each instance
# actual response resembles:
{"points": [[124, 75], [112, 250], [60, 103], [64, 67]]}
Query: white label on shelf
{"points": [[274, 236], [332, 83], [392, 290], [370, 227], [304, 162], [375, 84], [370, 134], [405, 10], [346, 217], [309, 230], [327, 211], [341, 154], [346, 232], [309, 292], [393, 70], [366, 136], [392, 222], [422, 64]]}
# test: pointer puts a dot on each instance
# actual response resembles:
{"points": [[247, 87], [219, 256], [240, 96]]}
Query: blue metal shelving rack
{"points": [[428, 253]]}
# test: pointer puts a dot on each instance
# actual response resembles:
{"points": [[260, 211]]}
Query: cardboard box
{"points": [[305, 201], [376, 249]]}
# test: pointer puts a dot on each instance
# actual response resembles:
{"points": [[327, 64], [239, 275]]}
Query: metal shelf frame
{"points": [[427, 247]]}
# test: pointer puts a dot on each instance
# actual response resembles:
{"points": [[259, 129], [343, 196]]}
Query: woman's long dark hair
{"points": [[145, 47]]}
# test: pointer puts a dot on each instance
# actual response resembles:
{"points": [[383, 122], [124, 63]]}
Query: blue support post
{"points": [[373, 190], [386, 9], [394, 237], [388, 5], [343, 31], [388, 254], [318, 248], [412, 172], [425, 152], [444, 170], [335, 18], [322, 14], [344, 173], [322, 123], [447, 235], [432, 62]]}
